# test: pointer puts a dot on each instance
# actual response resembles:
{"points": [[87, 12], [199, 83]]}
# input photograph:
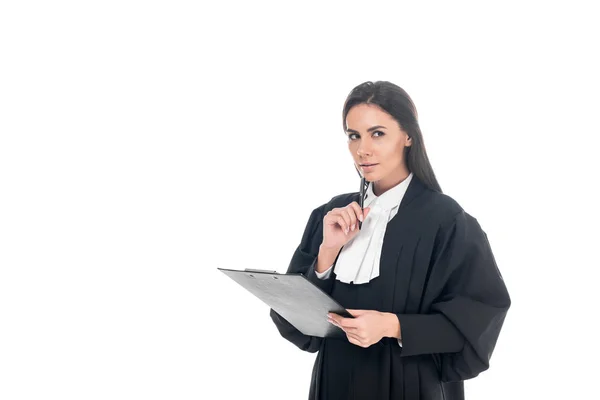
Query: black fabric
{"points": [[438, 276]]}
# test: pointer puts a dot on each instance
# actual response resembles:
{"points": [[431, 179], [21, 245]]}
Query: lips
{"points": [[367, 168]]}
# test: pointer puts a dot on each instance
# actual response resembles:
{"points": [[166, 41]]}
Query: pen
{"points": [[361, 200]]}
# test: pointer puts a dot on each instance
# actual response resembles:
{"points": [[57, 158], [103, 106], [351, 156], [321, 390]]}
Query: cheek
{"points": [[393, 155]]}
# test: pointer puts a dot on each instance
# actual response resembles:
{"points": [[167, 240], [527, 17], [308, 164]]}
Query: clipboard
{"points": [[295, 298]]}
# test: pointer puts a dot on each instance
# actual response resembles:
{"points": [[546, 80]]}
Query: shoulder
{"points": [[443, 205], [442, 212], [449, 215], [431, 207]]}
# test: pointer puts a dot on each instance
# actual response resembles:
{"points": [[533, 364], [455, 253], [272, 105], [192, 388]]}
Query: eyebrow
{"points": [[371, 129]]}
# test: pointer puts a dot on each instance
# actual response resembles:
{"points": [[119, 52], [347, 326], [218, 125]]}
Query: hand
{"points": [[368, 327], [340, 225]]}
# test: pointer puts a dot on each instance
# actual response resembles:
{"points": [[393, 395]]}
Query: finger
{"points": [[357, 211], [330, 218], [335, 318], [334, 218], [338, 322], [342, 223], [349, 323], [335, 324], [337, 215], [357, 313], [348, 331], [354, 331], [351, 213], [366, 212], [347, 217]]}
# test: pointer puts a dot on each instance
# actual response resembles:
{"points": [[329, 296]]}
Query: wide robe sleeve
{"points": [[468, 303], [304, 260]]}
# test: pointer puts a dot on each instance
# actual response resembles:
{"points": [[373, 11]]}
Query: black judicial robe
{"points": [[439, 276]]}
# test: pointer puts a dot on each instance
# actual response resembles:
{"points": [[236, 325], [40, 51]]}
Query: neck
{"points": [[383, 185]]}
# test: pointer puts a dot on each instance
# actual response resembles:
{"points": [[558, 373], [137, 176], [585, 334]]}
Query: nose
{"points": [[364, 150]]}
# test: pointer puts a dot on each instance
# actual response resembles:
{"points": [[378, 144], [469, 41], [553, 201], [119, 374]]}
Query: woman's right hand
{"points": [[340, 225]]}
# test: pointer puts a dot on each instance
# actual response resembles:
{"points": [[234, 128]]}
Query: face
{"points": [[375, 137]]}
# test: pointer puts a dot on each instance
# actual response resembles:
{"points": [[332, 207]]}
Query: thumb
{"points": [[366, 212], [356, 313]]}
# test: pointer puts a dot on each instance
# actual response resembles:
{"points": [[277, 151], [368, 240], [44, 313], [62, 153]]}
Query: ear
{"points": [[408, 142]]}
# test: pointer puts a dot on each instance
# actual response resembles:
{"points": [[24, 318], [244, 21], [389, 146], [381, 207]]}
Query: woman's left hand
{"points": [[368, 327]]}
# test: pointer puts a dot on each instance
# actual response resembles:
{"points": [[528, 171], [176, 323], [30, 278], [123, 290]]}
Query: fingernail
{"points": [[346, 231], [353, 226], [361, 218]]}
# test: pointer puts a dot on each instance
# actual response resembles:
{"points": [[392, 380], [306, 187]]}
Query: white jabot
{"points": [[358, 262]]}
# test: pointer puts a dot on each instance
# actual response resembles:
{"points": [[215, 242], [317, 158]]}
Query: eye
{"points": [[351, 135]]}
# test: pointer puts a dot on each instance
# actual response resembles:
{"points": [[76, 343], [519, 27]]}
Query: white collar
{"points": [[389, 199], [358, 261]]}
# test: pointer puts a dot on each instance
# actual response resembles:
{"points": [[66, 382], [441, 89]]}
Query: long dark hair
{"points": [[396, 102]]}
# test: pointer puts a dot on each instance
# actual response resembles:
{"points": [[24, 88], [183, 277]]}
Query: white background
{"points": [[145, 144]]}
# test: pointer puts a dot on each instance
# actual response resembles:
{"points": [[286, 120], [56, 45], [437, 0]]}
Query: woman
{"points": [[419, 276]]}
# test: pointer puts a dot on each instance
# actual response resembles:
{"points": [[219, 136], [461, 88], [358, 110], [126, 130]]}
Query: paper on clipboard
{"points": [[294, 297]]}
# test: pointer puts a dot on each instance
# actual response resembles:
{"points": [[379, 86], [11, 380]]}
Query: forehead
{"points": [[364, 116]]}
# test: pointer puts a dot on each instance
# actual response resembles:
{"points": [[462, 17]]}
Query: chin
{"points": [[372, 177]]}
